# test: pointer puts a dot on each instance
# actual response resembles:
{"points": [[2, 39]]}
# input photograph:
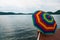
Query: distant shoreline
{"points": [[13, 13], [25, 14]]}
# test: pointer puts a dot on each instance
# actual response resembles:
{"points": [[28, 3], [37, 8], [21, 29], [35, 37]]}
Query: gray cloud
{"points": [[29, 5]]}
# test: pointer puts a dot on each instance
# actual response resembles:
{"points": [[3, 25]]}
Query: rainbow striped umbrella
{"points": [[44, 22]]}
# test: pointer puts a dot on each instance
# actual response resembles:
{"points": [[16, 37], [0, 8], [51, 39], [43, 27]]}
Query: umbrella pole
{"points": [[38, 38]]}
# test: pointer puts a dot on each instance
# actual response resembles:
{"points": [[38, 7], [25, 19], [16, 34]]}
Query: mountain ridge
{"points": [[12, 13]]}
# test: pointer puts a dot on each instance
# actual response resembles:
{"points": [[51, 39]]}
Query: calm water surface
{"points": [[19, 27]]}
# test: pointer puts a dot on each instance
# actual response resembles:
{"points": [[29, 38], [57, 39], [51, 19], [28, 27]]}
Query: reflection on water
{"points": [[19, 27]]}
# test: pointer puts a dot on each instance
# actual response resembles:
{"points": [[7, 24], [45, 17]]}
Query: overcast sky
{"points": [[27, 6]]}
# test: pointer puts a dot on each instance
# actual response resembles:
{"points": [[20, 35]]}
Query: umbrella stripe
{"points": [[43, 24], [43, 27], [43, 21], [48, 23], [47, 19], [45, 30], [42, 30]]}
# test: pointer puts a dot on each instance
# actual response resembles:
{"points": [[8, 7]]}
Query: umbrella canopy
{"points": [[44, 22]]}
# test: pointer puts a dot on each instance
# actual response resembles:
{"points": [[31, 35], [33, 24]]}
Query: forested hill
{"points": [[12, 13], [57, 12]]}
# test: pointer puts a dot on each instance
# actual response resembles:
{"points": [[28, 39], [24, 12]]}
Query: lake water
{"points": [[19, 27]]}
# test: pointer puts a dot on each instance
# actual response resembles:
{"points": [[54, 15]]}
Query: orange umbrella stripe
{"points": [[42, 23], [48, 25], [43, 27]]}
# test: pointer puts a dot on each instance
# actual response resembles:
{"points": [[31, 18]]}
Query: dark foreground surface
{"points": [[56, 36]]}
